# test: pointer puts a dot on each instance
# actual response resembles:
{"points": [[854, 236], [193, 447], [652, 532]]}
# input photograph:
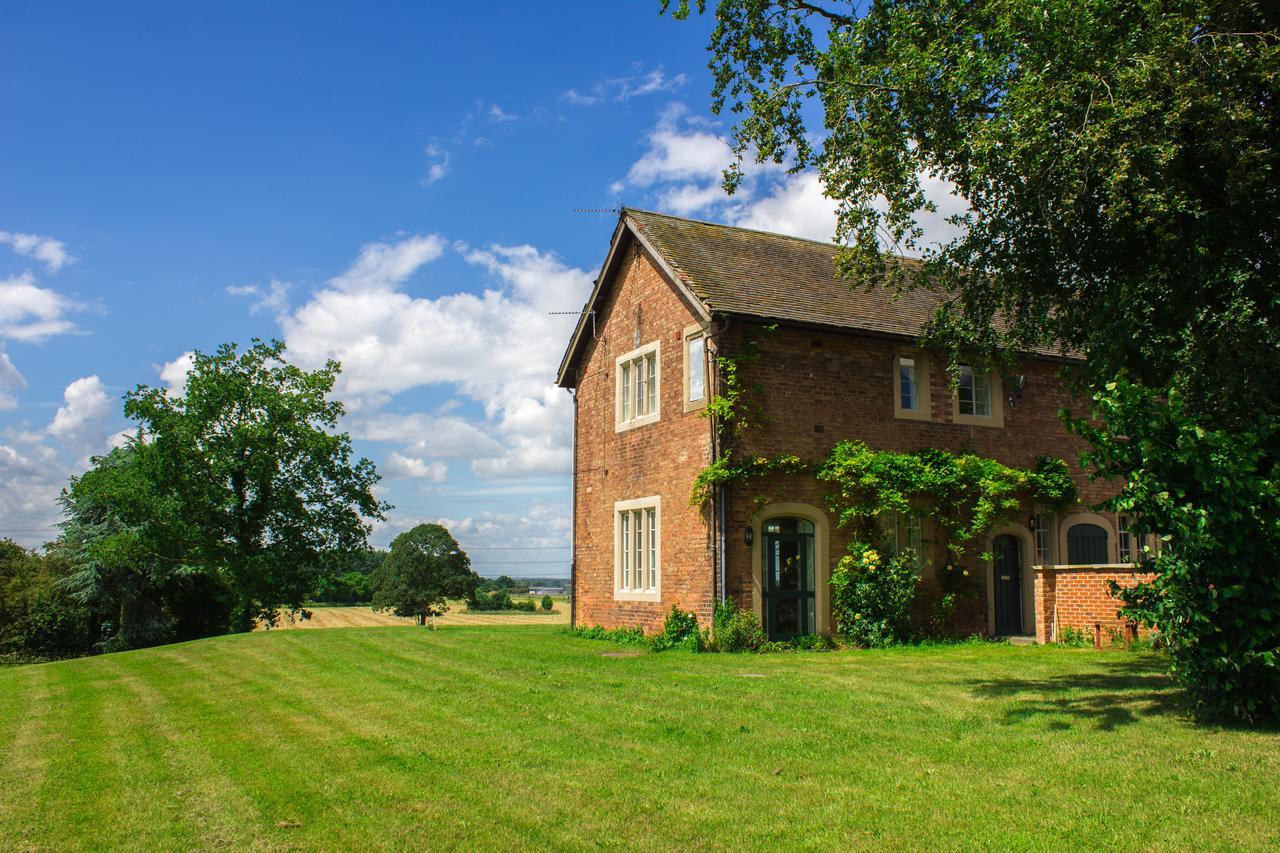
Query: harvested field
{"points": [[364, 617]]}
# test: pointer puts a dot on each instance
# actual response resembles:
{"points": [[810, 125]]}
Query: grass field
{"points": [[524, 736], [363, 616]]}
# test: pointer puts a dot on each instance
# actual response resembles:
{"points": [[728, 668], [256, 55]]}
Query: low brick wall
{"points": [[1080, 597]]}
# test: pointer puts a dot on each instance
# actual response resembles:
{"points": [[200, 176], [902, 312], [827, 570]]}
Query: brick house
{"points": [[834, 363]]}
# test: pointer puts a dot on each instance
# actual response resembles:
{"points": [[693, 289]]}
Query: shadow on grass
{"points": [[1124, 694]]}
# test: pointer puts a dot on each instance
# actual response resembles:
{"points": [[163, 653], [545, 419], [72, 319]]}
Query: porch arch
{"points": [[821, 558]]}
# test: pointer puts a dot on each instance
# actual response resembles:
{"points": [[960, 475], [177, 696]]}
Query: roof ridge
{"points": [[826, 244]]}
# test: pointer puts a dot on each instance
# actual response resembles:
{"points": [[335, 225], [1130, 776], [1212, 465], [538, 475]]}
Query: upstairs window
{"points": [[638, 387], [910, 373], [908, 387], [695, 368], [977, 398], [974, 392]]}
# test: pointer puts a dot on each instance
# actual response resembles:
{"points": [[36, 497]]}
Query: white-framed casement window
{"points": [[977, 398], [1130, 543], [1043, 535], [911, 386], [639, 386], [903, 531], [637, 535], [695, 368]]}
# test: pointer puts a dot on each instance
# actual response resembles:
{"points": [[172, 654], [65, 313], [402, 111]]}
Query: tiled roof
{"points": [[740, 271]]}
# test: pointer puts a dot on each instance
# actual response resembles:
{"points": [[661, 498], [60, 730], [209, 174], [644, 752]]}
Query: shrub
{"points": [[736, 629], [498, 599], [547, 603], [871, 596], [527, 606], [621, 636], [814, 643], [680, 631], [1075, 637]]}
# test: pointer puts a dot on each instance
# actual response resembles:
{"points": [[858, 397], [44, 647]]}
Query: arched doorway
{"points": [[1008, 584], [789, 578], [1087, 545]]}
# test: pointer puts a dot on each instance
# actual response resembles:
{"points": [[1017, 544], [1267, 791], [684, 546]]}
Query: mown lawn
{"points": [[523, 736]]}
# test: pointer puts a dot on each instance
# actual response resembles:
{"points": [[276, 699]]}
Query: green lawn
{"points": [[523, 736]]}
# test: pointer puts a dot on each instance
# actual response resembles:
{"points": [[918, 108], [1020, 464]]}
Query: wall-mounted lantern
{"points": [[749, 534]]}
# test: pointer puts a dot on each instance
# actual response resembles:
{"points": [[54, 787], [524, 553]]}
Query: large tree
{"points": [[259, 484], [1120, 163], [425, 568]]}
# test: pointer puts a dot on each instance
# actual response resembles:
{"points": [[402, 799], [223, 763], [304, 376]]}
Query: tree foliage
{"points": [[425, 568], [1213, 496], [256, 482], [1119, 161], [1119, 164]]}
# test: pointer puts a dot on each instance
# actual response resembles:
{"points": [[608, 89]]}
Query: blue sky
{"points": [[391, 185]]}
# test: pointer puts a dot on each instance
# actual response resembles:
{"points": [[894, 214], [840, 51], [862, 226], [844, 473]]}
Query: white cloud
{"points": [[499, 348], [427, 435], [681, 171], [174, 373], [523, 542], [86, 404], [30, 479], [383, 266], [10, 380], [625, 88], [795, 206], [50, 252], [29, 312], [677, 153], [273, 298], [399, 466], [437, 163], [498, 115]]}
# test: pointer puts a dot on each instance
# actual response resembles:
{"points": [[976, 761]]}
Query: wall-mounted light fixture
{"points": [[749, 534], [1016, 384]]}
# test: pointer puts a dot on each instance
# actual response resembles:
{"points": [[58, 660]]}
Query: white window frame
{"points": [[924, 407], [646, 542], [692, 333], [1042, 539], [625, 398], [995, 398], [1128, 543]]}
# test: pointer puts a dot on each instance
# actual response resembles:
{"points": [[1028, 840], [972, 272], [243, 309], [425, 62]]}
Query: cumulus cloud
{"points": [[85, 405], [29, 312], [499, 348], [681, 170], [272, 297], [527, 541], [625, 88], [174, 373], [795, 205], [399, 466], [10, 380], [48, 251]]}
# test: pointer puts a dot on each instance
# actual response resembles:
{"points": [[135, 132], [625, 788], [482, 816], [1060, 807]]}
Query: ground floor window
{"points": [[1042, 529], [637, 535]]}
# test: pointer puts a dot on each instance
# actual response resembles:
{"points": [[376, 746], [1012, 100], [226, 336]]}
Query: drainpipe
{"points": [[573, 514], [720, 541]]}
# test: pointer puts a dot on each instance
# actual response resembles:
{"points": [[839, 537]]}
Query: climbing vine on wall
{"points": [[965, 495]]}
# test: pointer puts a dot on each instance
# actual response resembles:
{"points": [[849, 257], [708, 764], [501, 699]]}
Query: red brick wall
{"points": [[820, 388], [1081, 598], [661, 458]]}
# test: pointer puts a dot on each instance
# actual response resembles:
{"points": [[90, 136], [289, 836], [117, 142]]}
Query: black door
{"points": [[788, 578], [1008, 569]]}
